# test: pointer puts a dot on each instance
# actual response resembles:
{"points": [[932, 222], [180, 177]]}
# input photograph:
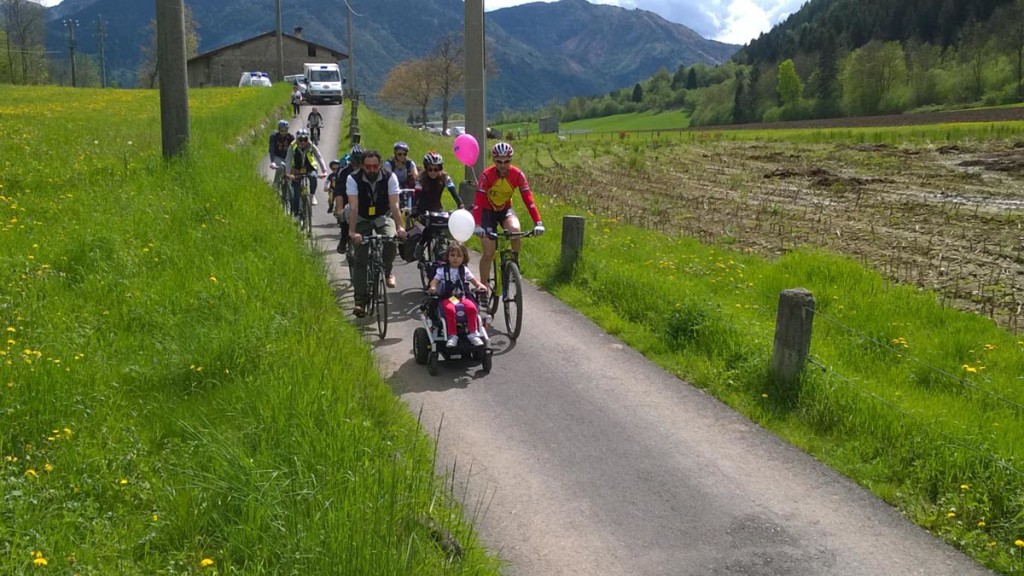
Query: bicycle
{"points": [[283, 185], [376, 279], [305, 215], [314, 135], [507, 287], [436, 248]]}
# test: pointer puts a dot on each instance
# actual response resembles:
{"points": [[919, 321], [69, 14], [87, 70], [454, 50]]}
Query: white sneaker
{"points": [[314, 200], [475, 340], [453, 341]]}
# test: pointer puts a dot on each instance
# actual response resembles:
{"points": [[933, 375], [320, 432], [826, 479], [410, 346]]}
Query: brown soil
{"points": [[946, 218]]}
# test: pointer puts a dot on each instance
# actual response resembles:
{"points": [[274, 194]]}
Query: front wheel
{"points": [[307, 215], [486, 364], [420, 345], [381, 298], [494, 290], [512, 300]]}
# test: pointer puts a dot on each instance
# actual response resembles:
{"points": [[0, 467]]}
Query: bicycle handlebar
{"points": [[507, 234]]}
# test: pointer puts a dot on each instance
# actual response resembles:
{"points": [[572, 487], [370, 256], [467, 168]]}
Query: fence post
{"points": [[572, 241], [792, 335]]}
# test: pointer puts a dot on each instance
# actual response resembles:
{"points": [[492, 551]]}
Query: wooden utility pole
{"points": [[171, 62], [351, 61], [101, 35], [71, 24]]}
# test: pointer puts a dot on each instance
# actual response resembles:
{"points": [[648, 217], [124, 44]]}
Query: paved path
{"points": [[581, 457]]}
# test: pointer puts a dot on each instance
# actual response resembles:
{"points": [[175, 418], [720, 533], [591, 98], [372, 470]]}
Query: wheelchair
{"points": [[429, 342]]}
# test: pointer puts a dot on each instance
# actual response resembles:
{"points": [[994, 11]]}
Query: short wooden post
{"points": [[792, 335], [572, 241]]}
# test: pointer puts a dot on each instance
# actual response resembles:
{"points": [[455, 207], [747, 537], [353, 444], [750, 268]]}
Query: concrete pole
{"points": [[171, 62], [280, 45], [792, 336], [351, 61], [476, 112], [572, 242]]}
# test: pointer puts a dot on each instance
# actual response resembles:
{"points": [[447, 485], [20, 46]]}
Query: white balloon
{"points": [[461, 224]]}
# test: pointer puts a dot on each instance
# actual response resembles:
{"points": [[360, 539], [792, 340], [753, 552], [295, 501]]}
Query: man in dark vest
{"points": [[373, 208]]}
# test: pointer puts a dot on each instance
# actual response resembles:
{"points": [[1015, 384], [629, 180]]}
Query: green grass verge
{"points": [[178, 391]]}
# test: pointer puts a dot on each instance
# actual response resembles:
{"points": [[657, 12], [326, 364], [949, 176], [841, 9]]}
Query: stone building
{"points": [[224, 66]]}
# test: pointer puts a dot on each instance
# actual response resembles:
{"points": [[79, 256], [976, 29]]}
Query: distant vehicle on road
{"points": [[255, 79], [323, 83], [297, 80]]}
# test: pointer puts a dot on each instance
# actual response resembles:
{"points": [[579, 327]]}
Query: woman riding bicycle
{"points": [[492, 206], [430, 187]]}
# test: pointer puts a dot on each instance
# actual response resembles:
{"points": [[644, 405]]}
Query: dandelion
{"points": [[1019, 543], [123, 482], [155, 518], [31, 472], [764, 395], [48, 467], [990, 347], [213, 279], [965, 486], [970, 369], [206, 562], [981, 524], [951, 515], [38, 559]]}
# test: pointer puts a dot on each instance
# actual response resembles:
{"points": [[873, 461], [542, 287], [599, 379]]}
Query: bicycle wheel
{"points": [[495, 290], [381, 306], [512, 300], [307, 216]]}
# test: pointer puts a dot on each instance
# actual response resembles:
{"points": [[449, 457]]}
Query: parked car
{"points": [[297, 80], [255, 79]]}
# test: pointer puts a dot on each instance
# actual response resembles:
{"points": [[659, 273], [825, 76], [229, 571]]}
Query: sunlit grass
{"points": [[178, 390]]}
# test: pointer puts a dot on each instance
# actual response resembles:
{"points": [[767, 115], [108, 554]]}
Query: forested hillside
{"points": [[844, 58]]}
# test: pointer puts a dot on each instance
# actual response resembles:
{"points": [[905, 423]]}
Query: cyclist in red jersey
{"points": [[492, 206]]}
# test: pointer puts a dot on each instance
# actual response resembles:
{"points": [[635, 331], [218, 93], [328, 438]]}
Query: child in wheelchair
{"points": [[452, 285]]}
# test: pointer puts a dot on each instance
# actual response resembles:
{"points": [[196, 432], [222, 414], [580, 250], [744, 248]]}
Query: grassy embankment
{"points": [[178, 392], [919, 403]]}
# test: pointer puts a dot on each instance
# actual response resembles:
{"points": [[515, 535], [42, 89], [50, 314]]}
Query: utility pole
{"points": [[101, 34], [171, 62], [476, 112], [71, 24], [280, 46], [351, 60]]}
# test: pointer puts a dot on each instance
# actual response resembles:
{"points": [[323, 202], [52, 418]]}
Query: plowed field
{"points": [[943, 217]]}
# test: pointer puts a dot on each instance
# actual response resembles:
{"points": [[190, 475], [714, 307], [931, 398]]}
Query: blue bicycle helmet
{"points": [[282, 124], [401, 146]]}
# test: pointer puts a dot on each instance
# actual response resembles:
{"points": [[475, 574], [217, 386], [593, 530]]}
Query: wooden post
{"points": [[792, 335], [572, 241], [467, 192], [171, 63]]}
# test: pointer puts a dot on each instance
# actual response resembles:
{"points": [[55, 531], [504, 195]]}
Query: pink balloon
{"points": [[466, 149]]}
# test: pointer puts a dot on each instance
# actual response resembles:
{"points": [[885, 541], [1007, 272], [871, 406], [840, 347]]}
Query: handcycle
{"points": [[376, 281], [506, 282], [429, 341]]}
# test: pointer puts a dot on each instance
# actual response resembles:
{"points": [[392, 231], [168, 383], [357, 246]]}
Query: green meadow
{"points": [[179, 393]]}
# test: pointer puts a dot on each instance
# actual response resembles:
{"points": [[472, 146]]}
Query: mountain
{"points": [[542, 51]]}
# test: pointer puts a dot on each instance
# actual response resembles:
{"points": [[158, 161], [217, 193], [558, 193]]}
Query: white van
{"points": [[323, 83]]}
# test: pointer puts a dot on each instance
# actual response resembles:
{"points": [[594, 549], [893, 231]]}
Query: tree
{"points": [[1009, 20], [24, 41], [412, 83], [148, 75], [638, 93], [691, 79], [448, 62], [790, 88], [874, 79], [973, 52]]}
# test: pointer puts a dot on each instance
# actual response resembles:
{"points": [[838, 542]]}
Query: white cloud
{"points": [[743, 21]]}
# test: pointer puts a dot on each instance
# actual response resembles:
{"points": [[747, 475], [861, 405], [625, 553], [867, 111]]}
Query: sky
{"points": [[731, 21]]}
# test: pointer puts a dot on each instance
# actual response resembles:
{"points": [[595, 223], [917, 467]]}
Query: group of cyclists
{"points": [[364, 192]]}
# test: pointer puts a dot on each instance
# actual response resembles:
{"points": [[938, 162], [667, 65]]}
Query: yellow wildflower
{"points": [[951, 515], [206, 563], [981, 524], [965, 486], [48, 467], [1019, 543], [213, 279], [31, 472], [38, 559], [123, 482]]}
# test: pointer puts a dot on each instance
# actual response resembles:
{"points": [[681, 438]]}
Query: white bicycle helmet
{"points": [[433, 159], [502, 150], [302, 134]]}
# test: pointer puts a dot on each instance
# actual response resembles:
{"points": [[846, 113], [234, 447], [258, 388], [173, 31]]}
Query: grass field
{"points": [[671, 120], [178, 392]]}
